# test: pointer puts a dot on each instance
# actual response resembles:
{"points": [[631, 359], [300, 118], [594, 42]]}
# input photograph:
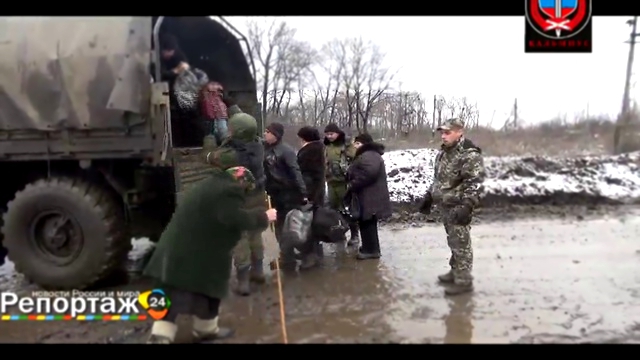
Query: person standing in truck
{"points": [[339, 154], [172, 59], [192, 260], [244, 148], [285, 183]]}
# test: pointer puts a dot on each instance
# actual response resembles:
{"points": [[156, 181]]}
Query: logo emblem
{"points": [[558, 25], [155, 302]]}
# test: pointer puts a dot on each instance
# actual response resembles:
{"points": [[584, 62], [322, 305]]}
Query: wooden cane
{"points": [[283, 321]]}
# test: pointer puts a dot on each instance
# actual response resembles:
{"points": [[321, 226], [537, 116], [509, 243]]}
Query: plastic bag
{"points": [[187, 87], [329, 225], [296, 228]]}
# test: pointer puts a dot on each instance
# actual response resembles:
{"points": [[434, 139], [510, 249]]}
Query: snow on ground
{"points": [[410, 173]]}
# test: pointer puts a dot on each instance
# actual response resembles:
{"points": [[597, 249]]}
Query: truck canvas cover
{"points": [[73, 72]]}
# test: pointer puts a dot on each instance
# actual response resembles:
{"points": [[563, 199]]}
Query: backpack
{"points": [[296, 228], [329, 225]]}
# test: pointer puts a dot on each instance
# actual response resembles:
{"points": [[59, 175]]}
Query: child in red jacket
{"points": [[214, 111]]}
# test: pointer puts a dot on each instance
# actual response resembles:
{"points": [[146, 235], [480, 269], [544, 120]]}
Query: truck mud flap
{"points": [[189, 168]]}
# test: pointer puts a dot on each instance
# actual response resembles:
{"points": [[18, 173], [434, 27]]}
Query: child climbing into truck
{"points": [[214, 111]]}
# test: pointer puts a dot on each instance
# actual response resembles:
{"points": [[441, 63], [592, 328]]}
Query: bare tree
{"points": [[364, 79]]}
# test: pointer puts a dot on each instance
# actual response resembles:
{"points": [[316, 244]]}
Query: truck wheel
{"points": [[65, 233]]}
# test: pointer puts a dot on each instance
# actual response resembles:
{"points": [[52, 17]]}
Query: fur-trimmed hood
{"points": [[377, 147]]}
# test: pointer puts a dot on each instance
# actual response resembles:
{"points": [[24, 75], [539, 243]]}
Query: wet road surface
{"points": [[537, 281]]}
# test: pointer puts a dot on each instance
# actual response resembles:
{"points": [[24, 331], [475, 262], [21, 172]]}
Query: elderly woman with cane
{"points": [[192, 261]]}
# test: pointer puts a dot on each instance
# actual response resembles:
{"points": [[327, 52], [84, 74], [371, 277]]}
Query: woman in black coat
{"points": [[311, 162], [367, 189]]}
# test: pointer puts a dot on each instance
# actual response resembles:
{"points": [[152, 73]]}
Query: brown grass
{"points": [[553, 138]]}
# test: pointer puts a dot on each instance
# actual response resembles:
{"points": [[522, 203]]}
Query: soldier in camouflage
{"points": [[243, 148], [457, 187], [339, 153]]}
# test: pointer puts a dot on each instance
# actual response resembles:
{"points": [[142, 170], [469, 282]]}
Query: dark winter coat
{"points": [[311, 162], [284, 178], [194, 251], [367, 180]]}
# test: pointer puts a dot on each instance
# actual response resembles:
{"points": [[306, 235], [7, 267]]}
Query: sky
{"points": [[483, 59]]}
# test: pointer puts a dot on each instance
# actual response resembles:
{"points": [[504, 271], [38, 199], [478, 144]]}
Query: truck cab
{"points": [[89, 137]]}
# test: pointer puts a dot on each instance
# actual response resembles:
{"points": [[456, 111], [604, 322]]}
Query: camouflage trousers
{"points": [[461, 261], [248, 249], [337, 191]]}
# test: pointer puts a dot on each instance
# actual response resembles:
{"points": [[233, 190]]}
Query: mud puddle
{"points": [[537, 281]]}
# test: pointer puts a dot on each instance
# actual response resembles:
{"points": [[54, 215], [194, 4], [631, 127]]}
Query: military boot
{"points": [[243, 287], [162, 332], [446, 278], [257, 271], [208, 330], [458, 289]]}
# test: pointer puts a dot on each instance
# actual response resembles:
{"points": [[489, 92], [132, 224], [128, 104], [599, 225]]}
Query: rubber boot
{"points": [[458, 289], [446, 278], [208, 330], [354, 239], [243, 287], [162, 332], [257, 271]]}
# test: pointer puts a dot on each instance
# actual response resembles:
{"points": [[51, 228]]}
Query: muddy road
{"points": [[572, 279]]}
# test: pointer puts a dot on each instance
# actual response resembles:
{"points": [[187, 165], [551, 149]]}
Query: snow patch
{"points": [[410, 174]]}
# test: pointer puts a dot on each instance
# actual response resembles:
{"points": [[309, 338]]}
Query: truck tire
{"points": [[65, 233]]}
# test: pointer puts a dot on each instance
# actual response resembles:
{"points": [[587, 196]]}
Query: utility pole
{"points": [[624, 118]]}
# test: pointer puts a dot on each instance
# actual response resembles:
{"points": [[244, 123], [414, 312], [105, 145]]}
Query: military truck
{"points": [[87, 152]]}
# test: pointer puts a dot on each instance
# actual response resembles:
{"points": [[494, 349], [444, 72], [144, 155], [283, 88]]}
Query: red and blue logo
{"points": [[558, 19]]}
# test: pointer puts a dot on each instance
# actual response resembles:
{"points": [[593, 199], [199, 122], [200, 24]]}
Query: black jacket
{"points": [[367, 180], [282, 170], [311, 162]]}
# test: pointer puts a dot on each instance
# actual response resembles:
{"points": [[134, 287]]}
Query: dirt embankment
{"points": [[517, 186]]}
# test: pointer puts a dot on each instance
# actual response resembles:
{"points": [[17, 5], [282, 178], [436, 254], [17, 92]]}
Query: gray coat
{"points": [[367, 180]]}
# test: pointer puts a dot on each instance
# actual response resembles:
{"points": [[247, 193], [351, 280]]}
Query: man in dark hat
{"points": [[172, 59], [285, 184], [311, 162]]}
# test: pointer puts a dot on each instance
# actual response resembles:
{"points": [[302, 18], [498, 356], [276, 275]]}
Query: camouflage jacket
{"points": [[458, 175], [338, 156]]}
